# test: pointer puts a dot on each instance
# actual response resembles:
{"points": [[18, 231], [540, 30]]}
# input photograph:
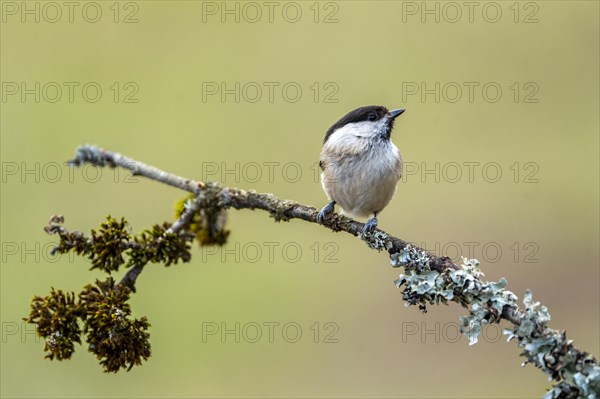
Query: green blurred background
{"points": [[543, 219]]}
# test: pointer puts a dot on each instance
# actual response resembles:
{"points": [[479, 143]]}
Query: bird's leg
{"points": [[327, 209], [371, 224]]}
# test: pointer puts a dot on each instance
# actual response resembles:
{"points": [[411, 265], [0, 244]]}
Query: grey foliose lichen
{"points": [[577, 373], [487, 299], [552, 352], [375, 240], [423, 286], [89, 153], [411, 258]]}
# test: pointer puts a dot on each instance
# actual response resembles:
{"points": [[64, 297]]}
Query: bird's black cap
{"points": [[368, 113]]}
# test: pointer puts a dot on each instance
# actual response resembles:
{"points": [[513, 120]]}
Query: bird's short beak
{"points": [[395, 113]]}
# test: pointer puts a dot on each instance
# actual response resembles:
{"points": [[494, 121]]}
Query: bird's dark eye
{"points": [[372, 117]]}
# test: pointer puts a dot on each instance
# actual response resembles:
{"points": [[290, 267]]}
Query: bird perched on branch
{"points": [[360, 164]]}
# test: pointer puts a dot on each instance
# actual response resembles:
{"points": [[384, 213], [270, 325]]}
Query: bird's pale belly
{"points": [[362, 188]]}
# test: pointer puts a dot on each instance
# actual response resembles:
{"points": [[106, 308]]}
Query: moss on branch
{"points": [[102, 314]]}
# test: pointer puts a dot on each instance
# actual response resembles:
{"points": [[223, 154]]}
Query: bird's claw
{"points": [[370, 225], [327, 209]]}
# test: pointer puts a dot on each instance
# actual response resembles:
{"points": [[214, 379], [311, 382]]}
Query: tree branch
{"points": [[429, 278], [191, 208]]}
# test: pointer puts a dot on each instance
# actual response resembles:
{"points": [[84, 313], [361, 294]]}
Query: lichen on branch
{"points": [[427, 279], [117, 340], [101, 314]]}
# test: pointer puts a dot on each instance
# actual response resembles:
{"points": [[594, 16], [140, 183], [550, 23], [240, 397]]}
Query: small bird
{"points": [[360, 164]]}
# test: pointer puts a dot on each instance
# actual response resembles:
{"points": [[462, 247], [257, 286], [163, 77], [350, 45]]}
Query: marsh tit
{"points": [[360, 164]]}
